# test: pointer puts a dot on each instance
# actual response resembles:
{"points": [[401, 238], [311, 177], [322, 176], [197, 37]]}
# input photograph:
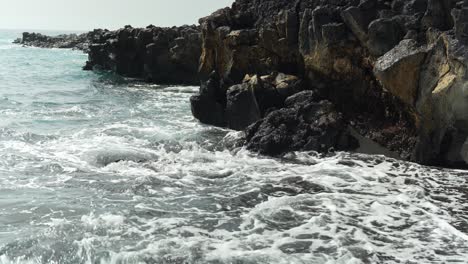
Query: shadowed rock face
{"points": [[303, 124], [393, 69], [160, 55]]}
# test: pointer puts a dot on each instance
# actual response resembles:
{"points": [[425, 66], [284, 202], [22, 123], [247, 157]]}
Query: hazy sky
{"points": [[112, 14]]}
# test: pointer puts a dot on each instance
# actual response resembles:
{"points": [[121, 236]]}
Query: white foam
{"points": [[134, 187]]}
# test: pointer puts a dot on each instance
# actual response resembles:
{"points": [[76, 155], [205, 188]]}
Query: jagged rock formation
{"points": [[160, 55], [394, 71], [303, 124], [64, 41]]}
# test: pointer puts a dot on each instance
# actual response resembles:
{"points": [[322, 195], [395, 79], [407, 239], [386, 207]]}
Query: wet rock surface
{"points": [[302, 125], [393, 70]]}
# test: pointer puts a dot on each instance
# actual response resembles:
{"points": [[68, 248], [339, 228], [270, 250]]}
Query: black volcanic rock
{"points": [[64, 41], [242, 108], [395, 70], [160, 55], [243, 104], [205, 107], [303, 126]]}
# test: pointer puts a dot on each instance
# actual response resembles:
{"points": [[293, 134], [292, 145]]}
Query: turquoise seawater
{"points": [[95, 168]]}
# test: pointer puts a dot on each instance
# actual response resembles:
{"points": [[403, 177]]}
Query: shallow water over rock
{"points": [[96, 169]]}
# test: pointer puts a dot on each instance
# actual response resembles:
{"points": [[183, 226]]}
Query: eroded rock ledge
{"points": [[155, 54], [390, 72]]}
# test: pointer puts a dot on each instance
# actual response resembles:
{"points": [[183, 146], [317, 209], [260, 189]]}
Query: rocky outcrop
{"points": [[154, 54], [399, 70], [64, 41], [257, 96], [390, 71], [305, 123], [313, 74], [160, 55]]}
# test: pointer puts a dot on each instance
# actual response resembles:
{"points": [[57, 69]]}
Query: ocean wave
{"points": [[94, 170]]}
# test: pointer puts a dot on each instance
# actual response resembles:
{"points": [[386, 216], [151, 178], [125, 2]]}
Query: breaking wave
{"points": [[94, 169]]}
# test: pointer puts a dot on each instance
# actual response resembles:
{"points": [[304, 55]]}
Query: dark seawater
{"points": [[97, 169]]}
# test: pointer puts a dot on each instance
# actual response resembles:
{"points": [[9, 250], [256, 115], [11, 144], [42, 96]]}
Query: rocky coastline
{"points": [[63, 41], [376, 76], [155, 54], [163, 55], [388, 73]]}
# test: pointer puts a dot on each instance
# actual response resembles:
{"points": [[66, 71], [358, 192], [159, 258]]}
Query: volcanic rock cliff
{"points": [[376, 76], [160, 55], [154, 54], [341, 74]]}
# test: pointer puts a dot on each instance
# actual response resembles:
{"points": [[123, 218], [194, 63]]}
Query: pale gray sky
{"points": [[112, 14]]}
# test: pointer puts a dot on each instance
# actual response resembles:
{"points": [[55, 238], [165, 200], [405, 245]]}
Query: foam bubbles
{"points": [[96, 170]]}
